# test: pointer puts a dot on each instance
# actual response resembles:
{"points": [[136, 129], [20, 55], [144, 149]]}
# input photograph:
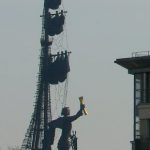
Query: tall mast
{"points": [[45, 73], [46, 86], [52, 24]]}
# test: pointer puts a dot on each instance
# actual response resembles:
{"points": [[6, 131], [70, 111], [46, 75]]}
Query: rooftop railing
{"points": [[140, 54]]}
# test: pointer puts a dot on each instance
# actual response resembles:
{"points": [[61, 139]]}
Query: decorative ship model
{"points": [[53, 73]]}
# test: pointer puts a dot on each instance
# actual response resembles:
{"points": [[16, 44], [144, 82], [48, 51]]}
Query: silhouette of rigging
{"points": [[53, 69]]}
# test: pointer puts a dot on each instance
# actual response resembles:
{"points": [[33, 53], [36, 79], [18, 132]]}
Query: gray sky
{"points": [[99, 31]]}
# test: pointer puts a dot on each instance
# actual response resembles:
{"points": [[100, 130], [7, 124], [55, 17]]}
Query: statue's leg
{"points": [[63, 147], [63, 144]]}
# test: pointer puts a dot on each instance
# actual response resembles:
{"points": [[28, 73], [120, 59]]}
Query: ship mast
{"points": [[52, 24], [46, 86]]}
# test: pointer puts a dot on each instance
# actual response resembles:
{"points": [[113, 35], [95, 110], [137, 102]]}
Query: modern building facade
{"points": [[139, 66]]}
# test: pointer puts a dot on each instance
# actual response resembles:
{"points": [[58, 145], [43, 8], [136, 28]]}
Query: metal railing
{"points": [[141, 53]]}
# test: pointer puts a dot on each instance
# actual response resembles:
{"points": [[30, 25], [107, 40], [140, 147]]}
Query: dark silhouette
{"points": [[64, 123], [58, 68]]}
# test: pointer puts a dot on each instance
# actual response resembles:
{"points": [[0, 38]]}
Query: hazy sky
{"points": [[99, 31]]}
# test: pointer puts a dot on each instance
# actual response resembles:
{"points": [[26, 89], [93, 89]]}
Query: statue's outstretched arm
{"points": [[78, 114]]}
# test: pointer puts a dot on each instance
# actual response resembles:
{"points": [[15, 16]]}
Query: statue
{"points": [[65, 124]]}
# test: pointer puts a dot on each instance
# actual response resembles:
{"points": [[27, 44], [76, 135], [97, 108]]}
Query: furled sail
{"points": [[53, 4], [58, 68], [55, 23]]}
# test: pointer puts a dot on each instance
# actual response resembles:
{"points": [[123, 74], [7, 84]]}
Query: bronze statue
{"points": [[65, 124]]}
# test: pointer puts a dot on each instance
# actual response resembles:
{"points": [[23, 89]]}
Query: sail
{"points": [[53, 4], [58, 68], [54, 24]]}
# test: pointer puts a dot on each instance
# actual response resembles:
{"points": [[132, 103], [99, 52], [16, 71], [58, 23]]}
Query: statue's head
{"points": [[65, 111]]}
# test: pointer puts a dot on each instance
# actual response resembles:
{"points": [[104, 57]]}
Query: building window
{"points": [[142, 88]]}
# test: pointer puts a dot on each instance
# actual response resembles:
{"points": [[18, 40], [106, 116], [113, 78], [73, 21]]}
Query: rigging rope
{"points": [[60, 92]]}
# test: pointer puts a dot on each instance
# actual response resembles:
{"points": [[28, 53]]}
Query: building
{"points": [[139, 66]]}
